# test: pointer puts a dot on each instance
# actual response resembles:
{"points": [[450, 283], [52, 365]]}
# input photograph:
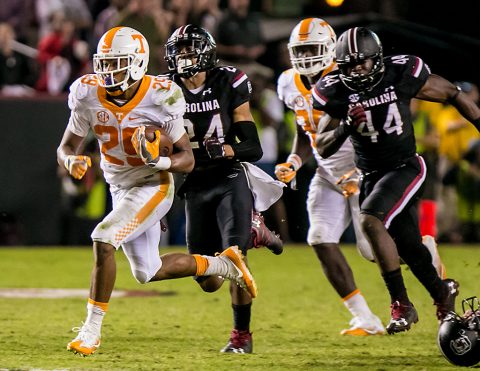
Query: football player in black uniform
{"points": [[219, 203], [372, 94]]}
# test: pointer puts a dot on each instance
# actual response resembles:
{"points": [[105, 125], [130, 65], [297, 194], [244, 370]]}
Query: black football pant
{"points": [[393, 198], [219, 216]]}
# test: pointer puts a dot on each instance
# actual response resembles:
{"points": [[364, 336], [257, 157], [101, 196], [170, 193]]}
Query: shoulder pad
{"points": [[408, 65], [164, 89], [233, 74], [80, 89], [330, 80], [170, 99], [283, 82]]}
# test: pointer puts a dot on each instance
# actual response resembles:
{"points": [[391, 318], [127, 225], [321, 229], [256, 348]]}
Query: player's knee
{"points": [[103, 251], [317, 236], [325, 248], [142, 276], [369, 224]]}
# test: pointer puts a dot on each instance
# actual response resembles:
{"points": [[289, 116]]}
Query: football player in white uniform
{"points": [[116, 103], [333, 194]]}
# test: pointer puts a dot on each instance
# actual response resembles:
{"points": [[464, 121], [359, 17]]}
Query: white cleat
{"points": [[431, 245], [86, 342], [364, 326]]}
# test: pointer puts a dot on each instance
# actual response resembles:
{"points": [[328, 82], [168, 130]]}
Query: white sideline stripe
{"points": [[52, 293]]}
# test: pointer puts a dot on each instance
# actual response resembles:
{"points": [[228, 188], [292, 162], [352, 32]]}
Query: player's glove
{"points": [[214, 148], [149, 152], [349, 183], [287, 171], [77, 166], [356, 115]]}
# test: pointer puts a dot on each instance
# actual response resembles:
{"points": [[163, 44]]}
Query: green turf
{"points": [[296, 318]]}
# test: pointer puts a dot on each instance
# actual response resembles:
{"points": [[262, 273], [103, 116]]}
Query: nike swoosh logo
{"points": [[131, 118]]}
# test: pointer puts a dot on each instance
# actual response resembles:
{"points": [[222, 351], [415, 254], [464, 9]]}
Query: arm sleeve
{"points": [[249, 148]]}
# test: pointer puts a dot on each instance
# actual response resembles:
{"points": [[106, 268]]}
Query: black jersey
{"points": [[387, 139], [209, 112]]}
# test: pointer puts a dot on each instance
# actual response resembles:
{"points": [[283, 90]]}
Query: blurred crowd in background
{"points": [[46, 44]]}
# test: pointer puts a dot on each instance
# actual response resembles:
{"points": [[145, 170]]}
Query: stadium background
{"points": [[31, 200]]}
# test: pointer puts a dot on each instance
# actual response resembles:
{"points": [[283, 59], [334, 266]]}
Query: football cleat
{"points": [[262, 236], [364, 326], [238, 270], [402, 317], [447, 304], [240, 342], [431, 245], [86, 342]]}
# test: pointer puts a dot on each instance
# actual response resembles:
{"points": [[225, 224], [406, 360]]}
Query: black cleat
{"points": [[447, 303], [240, 342], [403, 316], [262, 236]]}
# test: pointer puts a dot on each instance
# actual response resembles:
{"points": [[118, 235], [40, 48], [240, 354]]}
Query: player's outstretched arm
{"points": [[439, 89]]}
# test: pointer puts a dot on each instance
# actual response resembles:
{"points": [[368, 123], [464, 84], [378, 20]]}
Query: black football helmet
{"points": [[189, 50], [459, 337], [353, 47]]}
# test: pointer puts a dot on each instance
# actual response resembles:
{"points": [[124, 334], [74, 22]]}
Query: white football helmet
{"points": [[312, 46], [121, 49]]}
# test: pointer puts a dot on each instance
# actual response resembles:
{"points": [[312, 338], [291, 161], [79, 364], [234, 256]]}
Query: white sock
{"points": [[95, 316], [357, 305], [216, 266]]}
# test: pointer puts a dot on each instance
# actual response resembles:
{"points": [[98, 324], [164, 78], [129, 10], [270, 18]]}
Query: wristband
{"points": [[163, 163], [67, 161], [295, 160], [452, 99]]}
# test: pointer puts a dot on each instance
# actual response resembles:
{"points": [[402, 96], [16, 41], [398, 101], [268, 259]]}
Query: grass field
{"points": [[296, 318]]}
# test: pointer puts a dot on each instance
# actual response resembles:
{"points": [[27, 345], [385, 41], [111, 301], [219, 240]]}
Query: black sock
{"points": [[241, 316], [396, 287], [420, 262]]}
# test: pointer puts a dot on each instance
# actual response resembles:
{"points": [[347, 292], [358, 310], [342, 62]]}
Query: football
{"points": [[166, 145]]}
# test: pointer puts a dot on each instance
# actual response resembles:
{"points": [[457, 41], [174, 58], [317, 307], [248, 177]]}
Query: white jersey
{"points": [[158, 101], [298, 97]]}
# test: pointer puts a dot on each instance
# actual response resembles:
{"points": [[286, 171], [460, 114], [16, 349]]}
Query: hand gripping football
{"points": [[166, 145]]}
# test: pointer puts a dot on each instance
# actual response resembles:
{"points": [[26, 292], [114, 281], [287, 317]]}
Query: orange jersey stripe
{"points": [[156, 199]]}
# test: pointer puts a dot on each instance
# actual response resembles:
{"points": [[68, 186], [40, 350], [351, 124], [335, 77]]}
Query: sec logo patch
{"points": [[103, 116]]}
